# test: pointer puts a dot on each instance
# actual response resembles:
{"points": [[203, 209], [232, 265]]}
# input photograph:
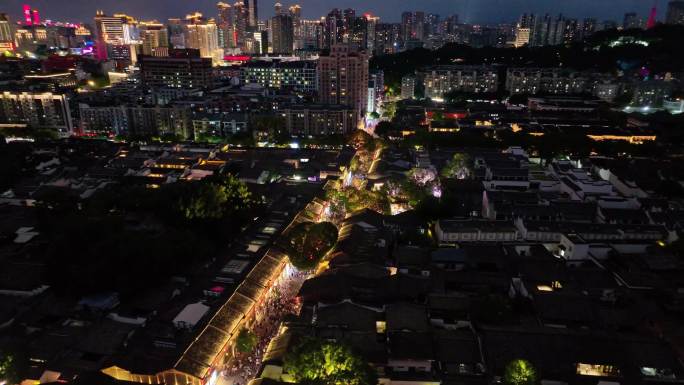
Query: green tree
{"points": [[246, 341], [520, 372], [457, 167], [385, 128], [319, 362], [308, 242], [8, 369]]}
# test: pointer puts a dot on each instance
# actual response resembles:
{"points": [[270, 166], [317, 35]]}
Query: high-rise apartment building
{"points": [[631, 21], [203, 35], [675, 12], [524, 30], [252, 13], [224, 24], [387, 38], [408, 87], [37, 109], [239, 25], [282, 30], [333, 28], [296, 14], [312, 35], [413, 26], [343, 78]]}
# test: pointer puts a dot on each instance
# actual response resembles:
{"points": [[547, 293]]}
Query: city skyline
{"points": [[470, 11]]}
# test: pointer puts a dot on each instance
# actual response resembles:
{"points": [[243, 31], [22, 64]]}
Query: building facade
{"points": [[299, 76], [135, 120], [282, 30], [44, 110], [319, 119], [343, 78], [441, 80], [182, 69]]}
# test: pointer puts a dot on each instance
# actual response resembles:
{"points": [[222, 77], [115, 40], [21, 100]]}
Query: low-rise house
{"points": [[456, 231]]}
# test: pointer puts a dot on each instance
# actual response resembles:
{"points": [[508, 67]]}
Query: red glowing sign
{"points": [[236, 58], [27, 14]]}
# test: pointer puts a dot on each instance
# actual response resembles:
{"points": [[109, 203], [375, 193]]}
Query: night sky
{"points": [[477, 11]]}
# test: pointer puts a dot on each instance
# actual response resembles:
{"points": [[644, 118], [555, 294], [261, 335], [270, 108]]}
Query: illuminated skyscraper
{"points": [[253, 13], [6, 38], [26, 10], [283, 34], [203, 35], [155, 39], [36, 16], [5, 28], [225, 24], [240, 24], [296, 14], [110, 32]]}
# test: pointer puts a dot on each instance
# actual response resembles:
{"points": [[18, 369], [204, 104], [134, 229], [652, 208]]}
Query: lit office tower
{"points": [[240, 24], [296, 14], [283, 33], [36, 16], [278, 8], [203, 35], [253, 13], [5, 28], [675, 12], [110, 32], [155, 39], [343, 78], [225, 24]]}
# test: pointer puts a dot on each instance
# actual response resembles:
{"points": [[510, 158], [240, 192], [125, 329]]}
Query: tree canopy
{"points": [[318, 362], [8, 370], [308, 242], [246, 341], [520, 372], [127, 237], [457, 167]]}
